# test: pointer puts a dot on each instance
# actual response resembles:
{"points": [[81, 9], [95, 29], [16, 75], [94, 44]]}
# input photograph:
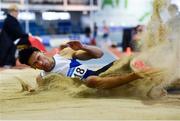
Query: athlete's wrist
{"points": [[84, 47]]}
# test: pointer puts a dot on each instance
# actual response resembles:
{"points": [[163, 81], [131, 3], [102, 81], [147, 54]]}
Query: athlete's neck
{"points": [[52, 64]]}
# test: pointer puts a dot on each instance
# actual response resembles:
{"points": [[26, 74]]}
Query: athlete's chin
{"points": [[46, 69]]}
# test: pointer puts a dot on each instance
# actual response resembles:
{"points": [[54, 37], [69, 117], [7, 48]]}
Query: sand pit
{"points": [[64, 98], [61, 104]]}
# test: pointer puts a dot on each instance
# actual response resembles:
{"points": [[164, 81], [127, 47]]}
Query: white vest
{"points": [[64, 66]]}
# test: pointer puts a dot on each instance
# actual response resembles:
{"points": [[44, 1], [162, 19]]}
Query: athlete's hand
{"points": [[75, 45]]}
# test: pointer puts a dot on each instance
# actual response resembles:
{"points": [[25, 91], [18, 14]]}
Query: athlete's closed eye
{"points": [[36, 62]]}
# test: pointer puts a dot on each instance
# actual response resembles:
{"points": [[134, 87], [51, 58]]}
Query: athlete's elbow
{"points": [[99, 55]]}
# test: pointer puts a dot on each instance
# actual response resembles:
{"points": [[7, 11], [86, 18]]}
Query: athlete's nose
{"points": [[39, 64]]}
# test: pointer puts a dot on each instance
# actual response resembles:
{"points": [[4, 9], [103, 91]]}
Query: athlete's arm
{"points": [[84, 52], [111, 82]]}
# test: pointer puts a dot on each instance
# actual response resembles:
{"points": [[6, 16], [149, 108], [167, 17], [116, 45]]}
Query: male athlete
{"points": [[65, 63]]}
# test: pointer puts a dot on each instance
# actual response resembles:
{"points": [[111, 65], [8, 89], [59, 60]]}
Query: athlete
{"points": [[65, 63]]}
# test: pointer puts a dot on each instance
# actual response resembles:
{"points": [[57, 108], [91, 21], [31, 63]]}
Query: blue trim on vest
{"points": [[74, 63], [88, 73]]}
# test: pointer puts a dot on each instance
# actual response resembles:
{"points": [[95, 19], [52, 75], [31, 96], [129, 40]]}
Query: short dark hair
{"points": [[25, 54]]}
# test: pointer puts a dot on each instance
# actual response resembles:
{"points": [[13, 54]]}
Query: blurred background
{"points": [[57, 20], [69, 18]]}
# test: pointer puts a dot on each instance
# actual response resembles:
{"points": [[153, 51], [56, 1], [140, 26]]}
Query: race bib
{"points": [[77, 72]]}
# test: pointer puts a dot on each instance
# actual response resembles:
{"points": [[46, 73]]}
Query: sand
{"points": [[61, 103]]}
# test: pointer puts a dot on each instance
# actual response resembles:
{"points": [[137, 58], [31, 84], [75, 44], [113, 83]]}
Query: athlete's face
{"points": [[40, 61]]}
